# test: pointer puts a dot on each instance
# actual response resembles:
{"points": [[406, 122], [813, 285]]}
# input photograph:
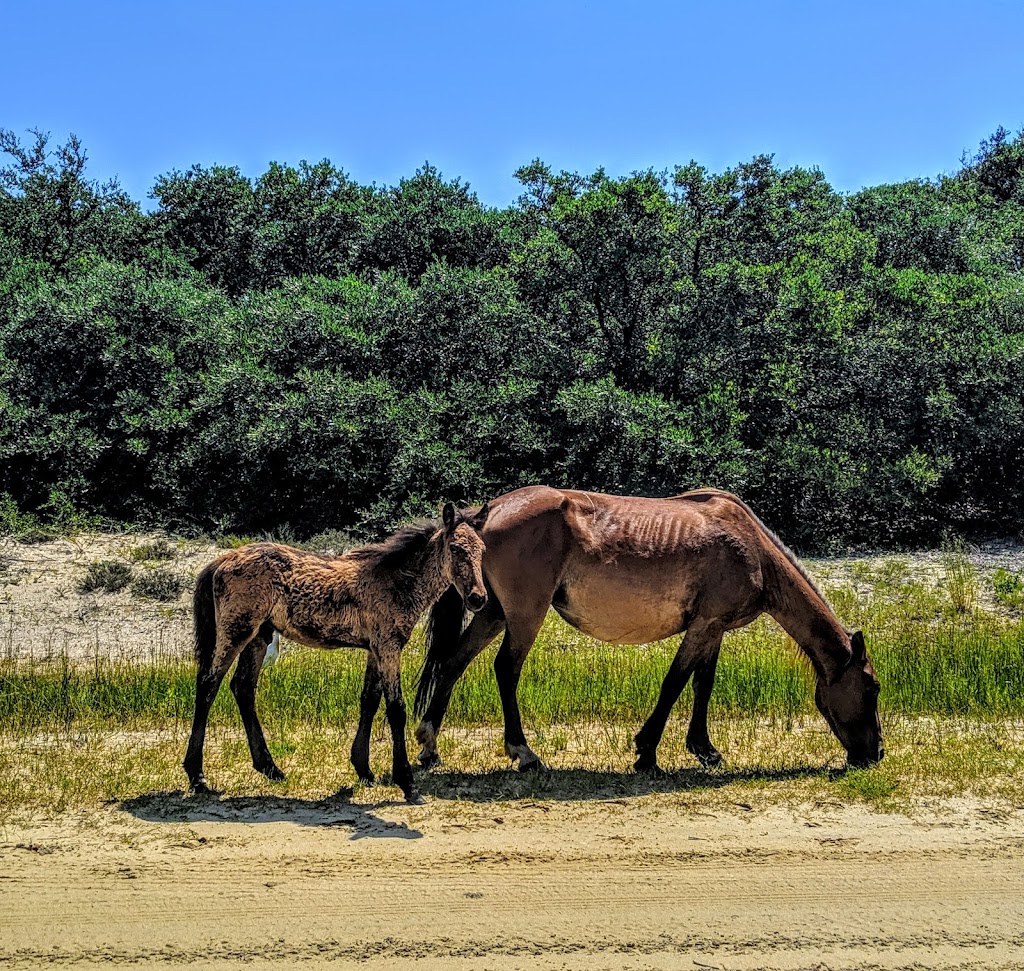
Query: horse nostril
{"points": [[475, 601]]}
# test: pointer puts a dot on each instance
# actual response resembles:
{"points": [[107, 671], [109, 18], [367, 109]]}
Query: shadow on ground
{"points": [[577, 785], [175, 806]]}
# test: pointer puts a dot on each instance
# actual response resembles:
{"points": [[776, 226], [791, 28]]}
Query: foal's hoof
{"points": [[367, 778], [200, 787], [272, 772], [414, 798], [431, 761]]}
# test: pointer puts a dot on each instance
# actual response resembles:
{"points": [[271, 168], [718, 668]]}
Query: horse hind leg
{"points": [[369, 702], [243, 687], [508, 666], [484, 627], [210, 674]]}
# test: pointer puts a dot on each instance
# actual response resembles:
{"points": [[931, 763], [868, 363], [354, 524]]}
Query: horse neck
{"points": [[431, 579], [805, 615]]}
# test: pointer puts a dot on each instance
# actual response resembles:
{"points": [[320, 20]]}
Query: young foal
{"points": [[369, 598]]}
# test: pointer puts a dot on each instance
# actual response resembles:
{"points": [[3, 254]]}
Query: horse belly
{"points": [[645, 606]]}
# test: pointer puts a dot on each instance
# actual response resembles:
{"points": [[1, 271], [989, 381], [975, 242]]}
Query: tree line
{"points": [[301, 352]]}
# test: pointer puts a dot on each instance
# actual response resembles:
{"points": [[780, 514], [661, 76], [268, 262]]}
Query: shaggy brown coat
{"points": [[367, 598]]}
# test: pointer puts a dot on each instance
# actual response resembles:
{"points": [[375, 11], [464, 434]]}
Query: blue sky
{"points": [[869, 92]]}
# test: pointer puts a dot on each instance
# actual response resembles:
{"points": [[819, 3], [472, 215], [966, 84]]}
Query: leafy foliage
{"points": [[299, 352]]}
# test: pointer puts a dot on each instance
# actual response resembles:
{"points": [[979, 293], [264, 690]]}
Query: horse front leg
{"points": [[389, 657], [697, 646], [369, 702], [698, 742]]}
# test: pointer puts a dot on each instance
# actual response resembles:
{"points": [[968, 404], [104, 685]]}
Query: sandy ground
{"points": [[585, 882], [621, 883]]}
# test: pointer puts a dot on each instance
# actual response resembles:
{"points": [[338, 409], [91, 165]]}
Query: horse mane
{"points": [[771, 534], [402, 549]]}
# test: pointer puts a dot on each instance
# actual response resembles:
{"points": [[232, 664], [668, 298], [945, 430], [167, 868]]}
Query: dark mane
{"points": [[402, 549]]}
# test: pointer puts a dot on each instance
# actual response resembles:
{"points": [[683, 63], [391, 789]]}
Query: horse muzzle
{"points": [[476, 601], [865, 760]]}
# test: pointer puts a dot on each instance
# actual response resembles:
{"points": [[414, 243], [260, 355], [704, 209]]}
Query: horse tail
{"points": [[204, 619], [444, 626]]}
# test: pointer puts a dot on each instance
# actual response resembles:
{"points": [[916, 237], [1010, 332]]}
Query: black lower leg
{"points": [[697, 740], [243, 687], [207, 683], [369, 702], [648, 738], [508, 666]]}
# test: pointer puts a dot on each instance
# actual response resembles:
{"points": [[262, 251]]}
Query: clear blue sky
{"points": [[869, 92]]}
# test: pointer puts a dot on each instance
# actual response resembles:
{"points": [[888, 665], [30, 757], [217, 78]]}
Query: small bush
{"points": [[159, 549], [158, 585], [106, 575], [1008, 587]]}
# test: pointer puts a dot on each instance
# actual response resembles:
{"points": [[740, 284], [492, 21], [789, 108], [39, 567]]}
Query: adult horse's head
{"points": [[466, 553], [850, 706]]}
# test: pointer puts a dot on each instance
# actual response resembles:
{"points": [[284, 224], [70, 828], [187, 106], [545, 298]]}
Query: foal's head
{"points": [[465, 551], [850, 706]]}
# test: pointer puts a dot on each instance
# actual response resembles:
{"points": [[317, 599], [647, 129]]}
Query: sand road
{"points": [[632, 883]]}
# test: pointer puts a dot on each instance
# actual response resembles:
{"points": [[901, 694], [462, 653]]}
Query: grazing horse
{"points": [[634, 570], [369, 598]]}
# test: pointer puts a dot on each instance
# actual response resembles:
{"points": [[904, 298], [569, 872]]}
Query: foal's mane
{"points": [[402, 549]]}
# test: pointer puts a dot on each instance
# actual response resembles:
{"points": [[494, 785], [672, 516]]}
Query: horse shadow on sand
{"points": [[443, 785], [589, 785], [331, 812]]}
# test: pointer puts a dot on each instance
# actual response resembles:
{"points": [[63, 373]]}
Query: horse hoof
{"points": [[535, 766], [368, 779], [200, 787], [273, 773], [430, 761], [709, 760], [649, 767], [414, 798]]}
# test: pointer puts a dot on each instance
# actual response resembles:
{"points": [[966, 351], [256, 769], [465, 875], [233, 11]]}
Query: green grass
{"points": [[945, 664], [952, 706]]}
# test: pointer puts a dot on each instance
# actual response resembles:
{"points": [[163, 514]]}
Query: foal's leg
{"points": [[508, 665], [700, 642], [697, 740], [484, 627], [369, 702], [389, 657], [243, 687], [208, 678]]}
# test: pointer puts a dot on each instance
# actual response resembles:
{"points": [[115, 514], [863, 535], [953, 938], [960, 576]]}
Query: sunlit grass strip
{"points": [[953, 665]]}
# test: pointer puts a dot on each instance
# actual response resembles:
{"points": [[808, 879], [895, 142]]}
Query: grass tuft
{"points": [[110, 576], [159, 549], [158, 585]]}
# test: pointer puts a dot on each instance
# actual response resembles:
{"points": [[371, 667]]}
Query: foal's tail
{"points": [[204, 620], [447, 617]]}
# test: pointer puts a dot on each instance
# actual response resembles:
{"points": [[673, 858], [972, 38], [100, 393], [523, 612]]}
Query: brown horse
{"points": [[369, 598], [635, 570]]}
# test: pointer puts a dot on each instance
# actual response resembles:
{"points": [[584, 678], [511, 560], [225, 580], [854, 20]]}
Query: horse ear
{"points": [[858, 648], [448, 515], [477, 521]]}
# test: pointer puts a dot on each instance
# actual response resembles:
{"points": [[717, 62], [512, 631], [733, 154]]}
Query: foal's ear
{"points": [[477, 521], [858, 647], [448, 515]]}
